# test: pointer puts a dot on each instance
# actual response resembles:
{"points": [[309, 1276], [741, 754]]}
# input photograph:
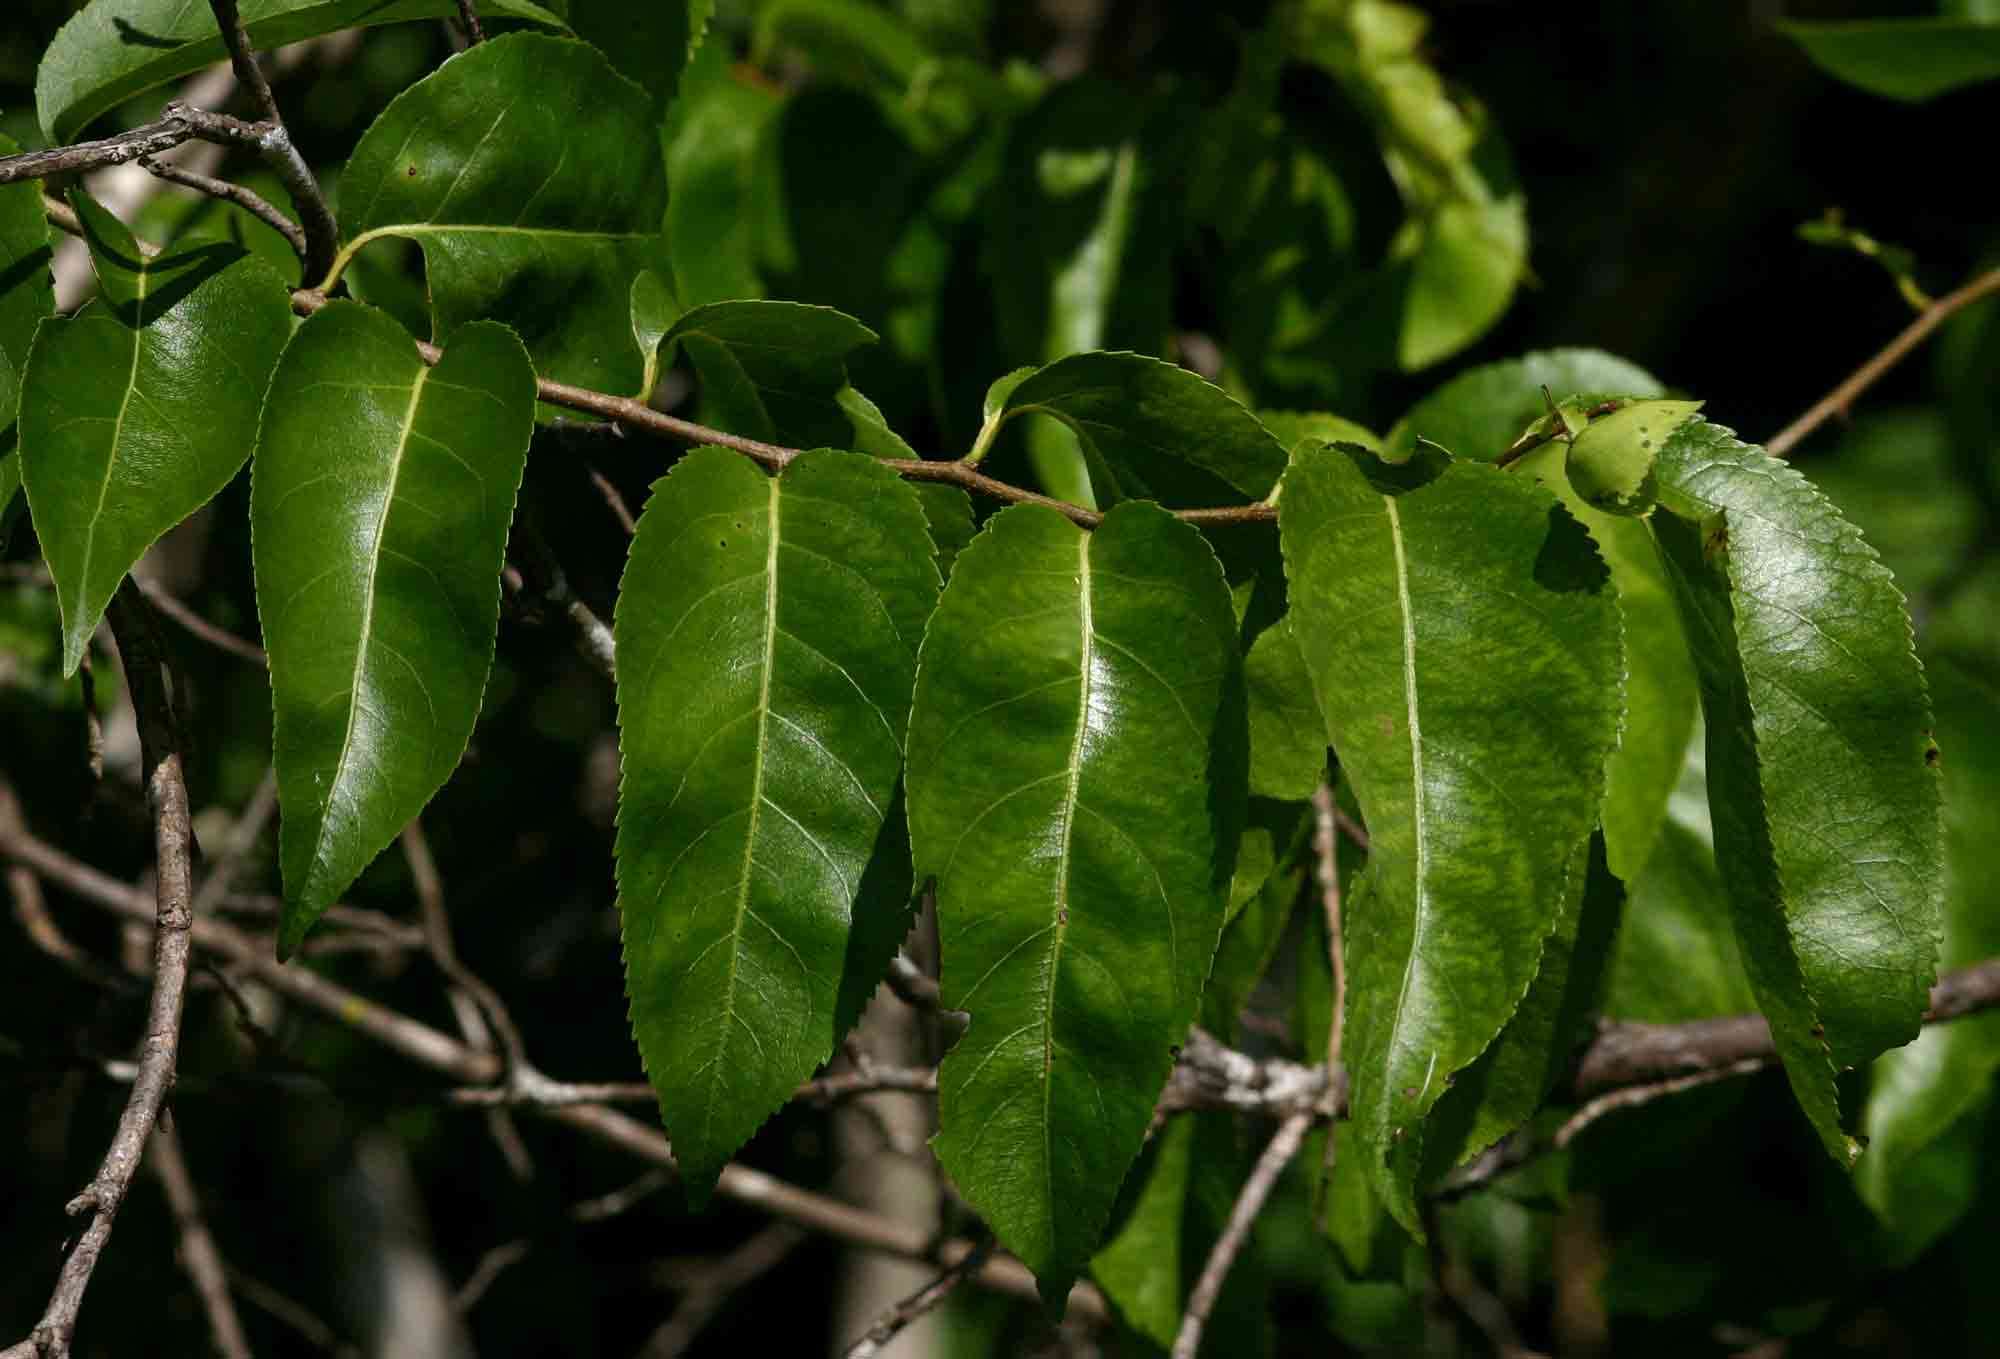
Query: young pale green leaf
{"points": [[1477, 415], [1610, 462], [654, 311], [1503, 1089], [1820, 763], [379, 505], [529, 172], [1075, 789], [1472, 696], [650, 42], [1287, 734], [777, 371], [112, 49], [1921, 1092], [1676, 958], [1148, 428], [767, 639], [1908, 59], [138, 409]]}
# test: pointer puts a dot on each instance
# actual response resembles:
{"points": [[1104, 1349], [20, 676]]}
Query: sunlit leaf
{"points": [[379, 506], [138, 409], [767, 638], [1075, 783]]}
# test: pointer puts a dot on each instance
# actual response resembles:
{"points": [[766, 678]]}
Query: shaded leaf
{"points": [[710, 139], [27, 293], [1075, 784], [1147, 427], [1893, 476], [763, 873], [1262, 892], [379, 506], [138, 409], [1484, 597], [112, 49], [1908, 59], [1477, 415], [1824, 801], [948, 510], [650, 42], [529, 172], [1291, 427], [1287, 734], [1923, 1091], [777, 371], [654, 311]]}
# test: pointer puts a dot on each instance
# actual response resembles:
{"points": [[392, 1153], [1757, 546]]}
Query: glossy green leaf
{"points": [[1463, 638], [1502, 1090], [777, 371], [1922, 1091], [529, 171], [112, 49], [379, 506], [1148, 428], [1287, 734], [1908, 59], [1477, 415], [1676, 958], [1181, 1192], [767, 638], [1821, 784], [1075, 786], [138, 409], [711, 138], [650, 42]]}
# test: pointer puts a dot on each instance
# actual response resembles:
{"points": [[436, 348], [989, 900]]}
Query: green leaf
{"points": [[711, 137], [1287, 734], [1147, 427], [1821, 783], [138, 409], [1181, 1192], [949, 513], [651, 42], [1503, 1089], [27, 294], [1477, 415], [1463, 639], [1908, 59], [1461, 265], [1923, 1091], [1075, 785], [654, 311], [529, 171], [777, 371], [1290, 427], [1262, 893], [1610, 462], [113, 49], [763, 874], [1676, 958], [379, 505]]}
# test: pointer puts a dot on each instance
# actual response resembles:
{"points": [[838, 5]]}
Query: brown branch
{"points": [[893, 1322], [468, 15], [173, 839], [199, 1257], [274, 144], [247, 199], [1278, 1154], [1841, 399], [614, 501], [149, 139]]}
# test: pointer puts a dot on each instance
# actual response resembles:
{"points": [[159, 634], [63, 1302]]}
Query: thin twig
{"points": [[248, 199], [1841, 399], [1278, 1154], [615, 500], [146, 681], [711, 1286], [199, 1257], [893, 1322], [284, 1309], [468, 15], [274, 143], [236, 846]]}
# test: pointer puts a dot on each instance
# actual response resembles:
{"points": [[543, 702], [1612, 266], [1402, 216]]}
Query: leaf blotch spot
{"points": [[1931, 754], [411, 172]]}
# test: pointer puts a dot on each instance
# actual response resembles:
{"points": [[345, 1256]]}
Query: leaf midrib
{"points": [[340, 767], [1407, 619]]}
